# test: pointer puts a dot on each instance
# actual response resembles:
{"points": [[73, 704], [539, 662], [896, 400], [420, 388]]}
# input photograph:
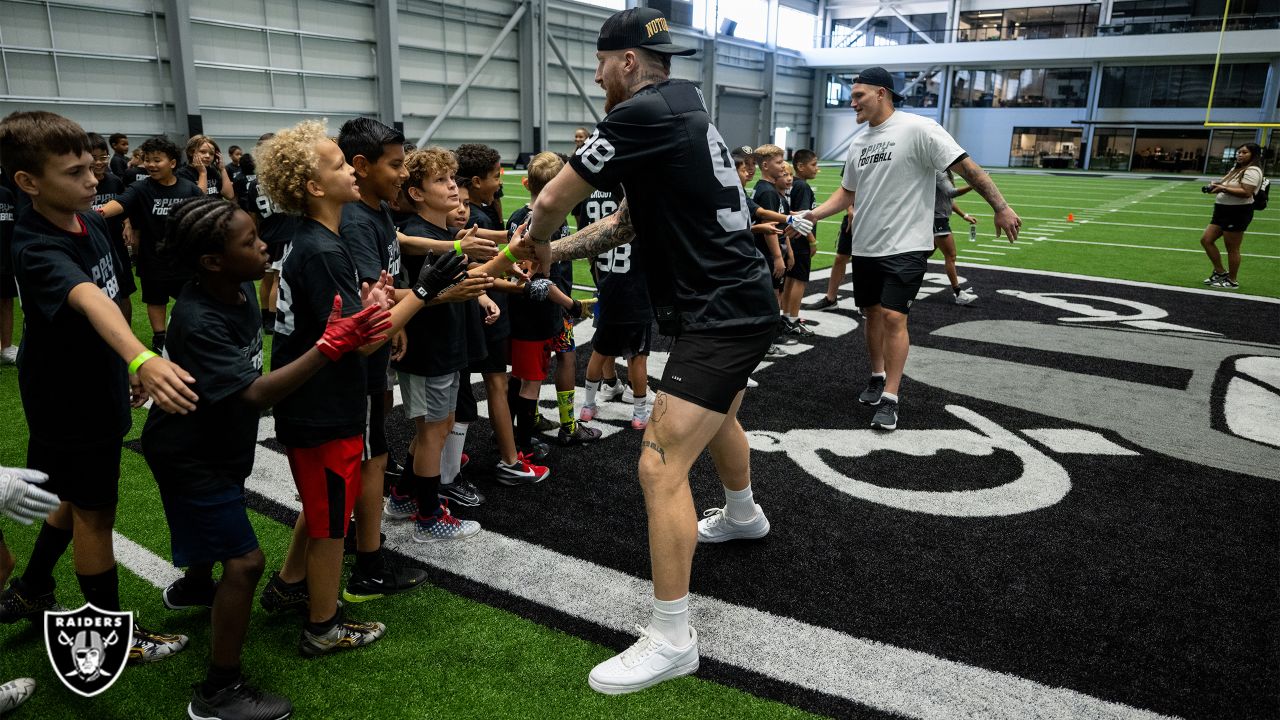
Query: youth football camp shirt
{"points": [[331, 405], [370, 235], [148, 205], [500, 329], [535, 319], [768, 197], [275, 227], [74, 387], [212, 178], [892, 168], [109, 188], [7, 215], [437, 334], [693, 238], [801, 199], [221, 346], [623, 292]]}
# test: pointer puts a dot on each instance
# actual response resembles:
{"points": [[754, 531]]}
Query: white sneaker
{"points": [[9, 356], [16, 692], [609, 392], [716, 526], [966, 296], [646, 663], [752, 382]]}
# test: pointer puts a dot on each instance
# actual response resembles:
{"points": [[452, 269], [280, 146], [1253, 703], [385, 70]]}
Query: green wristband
{"points": [[457, 246], [506, 250], [143, 356]]}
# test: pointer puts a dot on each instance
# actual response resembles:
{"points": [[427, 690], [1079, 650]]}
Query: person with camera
{"points": [[1232, 212]]}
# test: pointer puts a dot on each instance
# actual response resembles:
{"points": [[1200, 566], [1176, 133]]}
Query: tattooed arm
{"points": [[597, 237], [549, 209], [1006, 219]]}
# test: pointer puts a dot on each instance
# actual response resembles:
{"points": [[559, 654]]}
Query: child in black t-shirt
{"points": [[77, 352], [8, 286], [322, 423], [802, 200], [120, 154], [201, 460], [110, 186], [148, 204], [204, 167]]}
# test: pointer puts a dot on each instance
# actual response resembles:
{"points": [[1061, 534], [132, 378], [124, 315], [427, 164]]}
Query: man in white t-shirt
{"points": [[890, 171]]}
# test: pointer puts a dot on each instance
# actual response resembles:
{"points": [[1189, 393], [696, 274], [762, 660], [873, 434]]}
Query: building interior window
{"points": [[1222, 148], [1037, 23], [1045, 147], [1112, 149], [887, 30], [1034, 87], [1142, 86], [1144, 17], [1170, 150]]}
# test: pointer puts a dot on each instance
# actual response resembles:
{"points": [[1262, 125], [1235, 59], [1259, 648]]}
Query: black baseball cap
{"points": [[639, 28], [880, 77]]}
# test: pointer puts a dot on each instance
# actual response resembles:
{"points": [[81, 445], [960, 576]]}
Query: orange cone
{"points": [[1071, 217]]}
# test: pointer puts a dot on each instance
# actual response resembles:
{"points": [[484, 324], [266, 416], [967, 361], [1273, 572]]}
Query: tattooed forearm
{"points": [[597, 237], [980, 181], [656, 448]]}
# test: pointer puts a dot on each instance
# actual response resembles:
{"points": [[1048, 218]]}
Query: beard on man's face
{"points": [[615, 89]]}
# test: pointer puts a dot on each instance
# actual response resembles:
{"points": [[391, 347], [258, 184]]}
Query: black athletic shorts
{"points": [[158, 288], [625, 340], [375, 425], [844, 241], [800, 269], [497, 360], [208, 527], [942, 226], [465, 410], [1232, 218], [710, 368], [88, 477], [8, 287], [890, 281]]}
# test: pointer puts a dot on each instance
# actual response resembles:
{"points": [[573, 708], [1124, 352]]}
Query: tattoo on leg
{"points": [[656, 448], [659, 407]]}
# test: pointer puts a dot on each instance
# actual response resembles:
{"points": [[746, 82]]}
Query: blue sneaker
{"points": [[444, 526], [399, 507]]}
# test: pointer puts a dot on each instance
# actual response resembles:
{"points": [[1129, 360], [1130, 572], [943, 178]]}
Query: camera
{"points": [[1206, 189]]}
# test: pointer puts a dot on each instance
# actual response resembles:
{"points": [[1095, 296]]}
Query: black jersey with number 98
{"points": [[693, 237]]}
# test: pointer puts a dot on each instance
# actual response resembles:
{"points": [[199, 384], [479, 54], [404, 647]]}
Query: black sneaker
{"points": [[184, 593], [239, 701], [346, 635], [280, 596], [543, 425], [579, 435], [1214, 277], [886, 417], [462, 492], [537, 449], [875, 389], [18, 603], [821, 303], [391, 580], [1226, 282], [798, 329]]}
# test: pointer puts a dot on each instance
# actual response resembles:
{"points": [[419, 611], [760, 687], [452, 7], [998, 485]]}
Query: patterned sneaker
{"points": [[399, 507], [184, 593], [875, 389], [798, 329], [648, 662], [886, 418], [461, 491], [1226, 282], [346, 635], [1214, 277], [588, 413], [18, 603], [149, 647], [522, 472], [966, 296], [443, 527], [821, 303], [609, 392], [543, 425], [579, 435], [775, 351], [537, 449], [716, 526], [391, 580], [240, 700], [15, 692], [280, 596]]}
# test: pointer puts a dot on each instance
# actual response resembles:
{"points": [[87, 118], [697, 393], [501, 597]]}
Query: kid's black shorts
{"points": [[208, 527], [87, 476]]}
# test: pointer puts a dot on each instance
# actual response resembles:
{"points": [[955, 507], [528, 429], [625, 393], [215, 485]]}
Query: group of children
{"points": [[387, 264]]}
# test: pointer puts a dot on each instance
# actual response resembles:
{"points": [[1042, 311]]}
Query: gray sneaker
{"points": [[875, 388], [886, 417]]}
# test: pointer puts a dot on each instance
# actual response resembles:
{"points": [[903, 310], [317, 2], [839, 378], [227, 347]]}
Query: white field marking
{"points": [[144, 563], [1166, 227], [1130, 283], [1152, 247], [982, 252], [889, 678], [970, 258], [1002, 247], [1084, 442]]}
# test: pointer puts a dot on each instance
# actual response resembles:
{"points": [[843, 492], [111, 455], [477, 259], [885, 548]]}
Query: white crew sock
{"points": [[793, 318], [892, 397], [640, 407], [879, 374], [451, 456], [739, 504], [592, 387], [671, 621]]}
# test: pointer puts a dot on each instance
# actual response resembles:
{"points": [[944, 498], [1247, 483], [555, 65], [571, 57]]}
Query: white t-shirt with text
{"points": [[893, 168]]}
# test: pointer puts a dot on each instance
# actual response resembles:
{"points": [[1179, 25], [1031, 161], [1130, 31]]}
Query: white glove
{"points": [[800, 225], [20, 499]]}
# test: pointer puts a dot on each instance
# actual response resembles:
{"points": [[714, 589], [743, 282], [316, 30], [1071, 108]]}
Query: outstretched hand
{"points": [[381, 294], [342, 335], [438, 276], [476, 248], [167, 384], [20, 499]]}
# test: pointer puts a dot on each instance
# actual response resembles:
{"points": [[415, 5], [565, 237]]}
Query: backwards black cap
{"points": [[639, 28], [880, 77]]}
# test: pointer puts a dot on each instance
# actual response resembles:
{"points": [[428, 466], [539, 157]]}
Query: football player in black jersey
{"points": [[710, 289]]}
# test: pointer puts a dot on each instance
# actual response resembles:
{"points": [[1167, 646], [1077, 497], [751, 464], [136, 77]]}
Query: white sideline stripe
{"points": [[975, 259], [144, 563], [1131, 283], [882, 676], [1152, 247]]}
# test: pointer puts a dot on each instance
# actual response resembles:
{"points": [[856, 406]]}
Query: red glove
{"points": [[342, 335]]}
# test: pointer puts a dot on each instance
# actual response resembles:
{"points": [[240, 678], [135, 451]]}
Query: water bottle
{"points": [[973, 232]]}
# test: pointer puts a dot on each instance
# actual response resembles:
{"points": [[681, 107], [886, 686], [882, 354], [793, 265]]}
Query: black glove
{"points": [[438, 276]]}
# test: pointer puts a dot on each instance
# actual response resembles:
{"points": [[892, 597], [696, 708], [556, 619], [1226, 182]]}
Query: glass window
{"points": [[1239, 85], [1222, 148], [1032, 87], [921, 89], [796, 29], [1037, 23], [1112, 149], [839, 90], [1170, 150], [1045, 147], [752, 17]]}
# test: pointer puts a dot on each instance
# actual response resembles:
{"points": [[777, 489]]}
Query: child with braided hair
{"points": [[201, 460]]}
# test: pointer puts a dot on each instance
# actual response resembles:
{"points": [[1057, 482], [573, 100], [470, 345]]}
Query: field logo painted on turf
{"points": [[88, 647]]}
